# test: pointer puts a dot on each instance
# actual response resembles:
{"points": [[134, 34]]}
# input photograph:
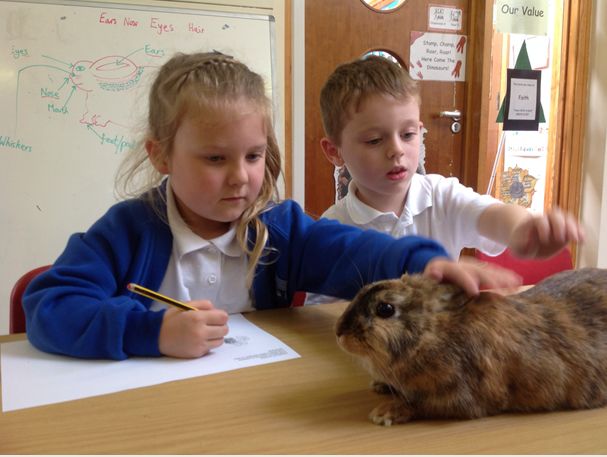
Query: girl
{"points": [[203, 230]]}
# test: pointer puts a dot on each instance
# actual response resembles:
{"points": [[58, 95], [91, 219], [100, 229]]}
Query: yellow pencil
{"points": [[156, 296]]}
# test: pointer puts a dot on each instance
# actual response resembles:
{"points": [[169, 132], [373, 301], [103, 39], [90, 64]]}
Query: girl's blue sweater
{"points": [[81, 306]]}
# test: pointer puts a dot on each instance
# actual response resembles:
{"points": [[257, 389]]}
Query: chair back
{"points": [[17, 315], [531, 270]]}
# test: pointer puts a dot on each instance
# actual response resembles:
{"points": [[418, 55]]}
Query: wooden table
{"points": [[315, 404]]}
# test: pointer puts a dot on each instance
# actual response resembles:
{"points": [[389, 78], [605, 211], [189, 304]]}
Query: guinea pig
{"points": [[438, 353]]}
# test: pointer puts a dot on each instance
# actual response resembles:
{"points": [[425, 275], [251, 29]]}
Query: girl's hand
{"points": [[544, 235], [191, 334], [471, 274]]}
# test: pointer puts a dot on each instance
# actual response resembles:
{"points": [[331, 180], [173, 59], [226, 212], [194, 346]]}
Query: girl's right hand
{"points": [[191, 334], [471, 274]]}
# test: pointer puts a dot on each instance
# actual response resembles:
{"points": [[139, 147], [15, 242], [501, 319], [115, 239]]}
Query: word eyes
{"points": [[385, 310]]}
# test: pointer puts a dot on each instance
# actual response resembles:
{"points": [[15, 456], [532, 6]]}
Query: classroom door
{"points": [[337, 31]]}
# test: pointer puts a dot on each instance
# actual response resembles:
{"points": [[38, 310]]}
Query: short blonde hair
{"points": [[197, 83], [351, 83]]}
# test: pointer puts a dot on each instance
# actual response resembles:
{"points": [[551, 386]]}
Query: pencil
{"points": [[159, 297]]}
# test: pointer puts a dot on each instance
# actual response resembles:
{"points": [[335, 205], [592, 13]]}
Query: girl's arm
{"points": [[81, 307], [334, 259]]}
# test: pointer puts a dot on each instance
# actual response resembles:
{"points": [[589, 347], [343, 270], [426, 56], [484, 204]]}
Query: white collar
{"points": [[419, 198], [186, 241]]}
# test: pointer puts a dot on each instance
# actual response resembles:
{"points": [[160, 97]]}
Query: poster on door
{"points": [[523, 180], [437, 56]]}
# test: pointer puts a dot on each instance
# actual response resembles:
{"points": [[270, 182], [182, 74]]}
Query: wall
{"points": [[594, 188]]}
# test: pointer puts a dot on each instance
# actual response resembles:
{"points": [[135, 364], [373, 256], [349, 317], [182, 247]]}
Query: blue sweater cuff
{"points": [[142, 332], [422, 256]]}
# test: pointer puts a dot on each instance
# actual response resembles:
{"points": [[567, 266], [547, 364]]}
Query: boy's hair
{"points": [[195, 84], [351, 83]]}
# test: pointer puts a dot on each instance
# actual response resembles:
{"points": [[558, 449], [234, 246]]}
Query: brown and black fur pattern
{"points": [[442, 354]]}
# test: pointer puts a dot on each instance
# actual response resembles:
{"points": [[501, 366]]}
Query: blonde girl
{"points": [[205, 227]]}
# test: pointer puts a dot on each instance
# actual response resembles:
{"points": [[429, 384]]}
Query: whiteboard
{"points": [[74, 79]]}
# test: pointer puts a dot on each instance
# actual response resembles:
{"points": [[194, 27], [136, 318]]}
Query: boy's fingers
{"points": [[581, 231], [542, 227], [558, 225], [574, 231]]}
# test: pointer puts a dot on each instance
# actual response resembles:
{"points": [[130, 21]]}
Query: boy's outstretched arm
{"points": [[529, 235]]}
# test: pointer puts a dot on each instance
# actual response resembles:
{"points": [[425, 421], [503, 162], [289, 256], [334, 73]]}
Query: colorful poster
{"points": [[437, 56], [518, 187]]}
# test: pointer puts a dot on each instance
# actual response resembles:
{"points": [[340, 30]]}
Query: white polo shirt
{"points": [[200, 269], [436, 207]]}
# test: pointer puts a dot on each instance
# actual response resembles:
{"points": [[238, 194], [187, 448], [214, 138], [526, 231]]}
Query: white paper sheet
{"points": [[34, 378]]}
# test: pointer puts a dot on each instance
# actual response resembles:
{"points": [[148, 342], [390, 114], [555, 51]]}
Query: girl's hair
{"points": [[351, 83], [197, 83]]}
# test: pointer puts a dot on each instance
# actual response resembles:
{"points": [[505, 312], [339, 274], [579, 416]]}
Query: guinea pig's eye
{"points": [[385, 310]]}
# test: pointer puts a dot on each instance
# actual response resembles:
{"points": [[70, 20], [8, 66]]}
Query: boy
{"points": [[371, 116]]}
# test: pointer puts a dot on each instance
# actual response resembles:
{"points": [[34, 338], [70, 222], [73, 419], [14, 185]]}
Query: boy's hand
{"points": [[471, 274], [191, 334], [542, 236]]}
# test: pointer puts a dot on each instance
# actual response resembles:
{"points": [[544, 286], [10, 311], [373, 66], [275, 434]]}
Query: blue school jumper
{"points": [[81, 306]]}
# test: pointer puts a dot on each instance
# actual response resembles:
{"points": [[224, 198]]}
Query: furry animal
{"points": [[441, 354]]}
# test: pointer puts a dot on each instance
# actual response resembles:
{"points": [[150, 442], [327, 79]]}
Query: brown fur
{"points": [[445, 355]]}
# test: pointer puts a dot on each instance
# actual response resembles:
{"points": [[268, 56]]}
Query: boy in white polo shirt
{"points": [[371, 116]]}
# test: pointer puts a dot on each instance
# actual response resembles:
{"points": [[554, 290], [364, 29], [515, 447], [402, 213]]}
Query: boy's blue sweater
{"points": [[81, 307]]}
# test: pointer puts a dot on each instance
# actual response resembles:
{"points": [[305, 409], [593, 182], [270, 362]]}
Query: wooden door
{"points": [[337, 31]]}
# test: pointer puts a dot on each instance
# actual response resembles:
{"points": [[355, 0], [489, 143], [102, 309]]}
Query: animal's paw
{"points": [[391, 412]]}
